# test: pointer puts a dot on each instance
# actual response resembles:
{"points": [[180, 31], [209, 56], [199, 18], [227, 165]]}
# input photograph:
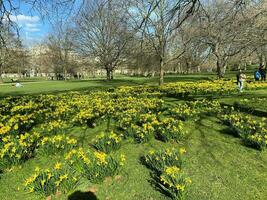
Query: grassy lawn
{"points": [[220, 166], [43, 86]]}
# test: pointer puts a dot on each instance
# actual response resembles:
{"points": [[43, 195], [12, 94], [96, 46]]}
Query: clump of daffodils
{"points": [[94, 165], [168, 167], [107, 142], [49, 181]]}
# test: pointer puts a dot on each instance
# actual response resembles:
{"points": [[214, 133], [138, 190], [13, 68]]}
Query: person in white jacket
{"points": [[241, 78]]}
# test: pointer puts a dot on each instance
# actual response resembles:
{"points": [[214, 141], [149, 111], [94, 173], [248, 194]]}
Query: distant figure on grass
{"points": [[18, 85], [257, 75], [241, 77], [262, 71]]}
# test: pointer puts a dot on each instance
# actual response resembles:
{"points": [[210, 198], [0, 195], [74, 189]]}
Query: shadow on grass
{"points": [[247, 109], [229, 131], [190, 78], [78, 195], [155, 183], [207, 146]]}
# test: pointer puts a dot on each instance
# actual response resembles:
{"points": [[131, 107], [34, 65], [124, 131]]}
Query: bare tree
{"points": [[10, 8], [61, 50], [103, 33], [161, 22], [10, 50], [258, 30], [223, 28]]}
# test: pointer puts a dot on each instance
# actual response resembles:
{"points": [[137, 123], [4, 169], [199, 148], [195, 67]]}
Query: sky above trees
{"points": [[32, 27], [34, 24]]}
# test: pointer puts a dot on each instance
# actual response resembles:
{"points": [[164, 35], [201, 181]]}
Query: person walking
{"points": [[262, 71], [257, 75], [241, 77], [238, 77]]}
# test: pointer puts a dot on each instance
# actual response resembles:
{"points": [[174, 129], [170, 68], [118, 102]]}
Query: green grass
{"points": [[35, 87], [220, 166], [223, 168]]}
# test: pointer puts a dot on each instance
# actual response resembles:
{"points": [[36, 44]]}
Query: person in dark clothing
{"points": [[262, 71]]}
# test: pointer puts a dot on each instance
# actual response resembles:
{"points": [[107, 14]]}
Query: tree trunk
{"points": [[224, 68], [65, 74], [161, 72], [179, 69], [265, 60], [261, 60], [187, 67], [220, 65], [1, 78], [1, 72], [109, 74]]}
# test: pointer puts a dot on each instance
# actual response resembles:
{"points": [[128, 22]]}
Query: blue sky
{"points": [[32, 28]]}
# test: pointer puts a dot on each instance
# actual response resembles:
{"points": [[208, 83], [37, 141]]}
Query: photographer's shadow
{"points": [[79, 195]]}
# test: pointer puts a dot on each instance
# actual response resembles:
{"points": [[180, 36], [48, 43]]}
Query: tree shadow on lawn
{"points": [[249, 110], [229, 131], [207, 146], [79, 195], [186, 78], [155, 183], [154, 179], [246, 109], [110, 83]]}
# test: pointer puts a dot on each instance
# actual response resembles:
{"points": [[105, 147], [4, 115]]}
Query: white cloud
{"points": [[32, 29], [31, 25], [27, 23], [24, 19]]}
